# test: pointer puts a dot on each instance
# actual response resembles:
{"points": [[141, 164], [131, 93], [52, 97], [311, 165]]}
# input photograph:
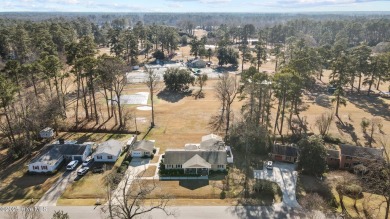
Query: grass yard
{"points": [[26, 186], [93, 137], [194, 189], [150, 172], [90, 186], [79, 202]]}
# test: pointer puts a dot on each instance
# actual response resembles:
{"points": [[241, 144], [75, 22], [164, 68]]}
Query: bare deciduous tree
{"points": [[323, 122], [152, 81], [129, 202], [226, 91]]}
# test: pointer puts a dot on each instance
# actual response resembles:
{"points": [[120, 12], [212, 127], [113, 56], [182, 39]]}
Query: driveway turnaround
{"points": [[53, 194], [285, 176]]}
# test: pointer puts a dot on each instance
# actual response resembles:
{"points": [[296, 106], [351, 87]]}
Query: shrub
{"points": [[127, 163], [151, 156], [154, 150], [223, 195]]}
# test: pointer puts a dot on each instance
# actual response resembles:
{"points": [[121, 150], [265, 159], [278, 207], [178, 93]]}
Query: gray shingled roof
{"points": [[358, 151], [212, 145], [109, 147], [54, 152], [180, 157], [143, 146], [196, 162]]}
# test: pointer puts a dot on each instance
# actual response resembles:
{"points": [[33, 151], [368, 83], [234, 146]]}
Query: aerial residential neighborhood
{"points": [[194, 109]]}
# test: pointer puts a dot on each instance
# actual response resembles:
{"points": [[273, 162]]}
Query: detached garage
{"points": [[108, 151], [142, 148]]}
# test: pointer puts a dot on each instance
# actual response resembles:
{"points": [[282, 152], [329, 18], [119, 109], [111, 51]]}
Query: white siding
{"points": [[50, 168], [137, 153], [105, 157]]}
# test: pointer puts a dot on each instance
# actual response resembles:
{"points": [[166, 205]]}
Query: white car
{"points": [[269, 165], [82, 171], [71, 165], [87, 161]]}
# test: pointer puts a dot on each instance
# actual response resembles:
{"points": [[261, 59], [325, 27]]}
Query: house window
{"points": [[288, 158], [109, 157], [221, 166], [178, 166], [35, 167], [44, 167], [347, 165], [99, 157], [348, 157]]}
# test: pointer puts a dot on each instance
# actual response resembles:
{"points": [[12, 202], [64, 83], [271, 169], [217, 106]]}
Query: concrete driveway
{"points": [[285, 176], [53, 194], [136, 166]]}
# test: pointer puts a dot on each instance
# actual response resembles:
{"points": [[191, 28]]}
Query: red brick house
{"points": [[351, 156], [333, 158]]}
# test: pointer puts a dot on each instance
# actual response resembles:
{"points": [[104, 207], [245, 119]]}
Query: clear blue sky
{"points": [[194, 5]]}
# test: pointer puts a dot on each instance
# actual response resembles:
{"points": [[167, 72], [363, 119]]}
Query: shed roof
{"points": [[143, 145], [363, 152], [111, 146], [181, 156], [211, 136]]}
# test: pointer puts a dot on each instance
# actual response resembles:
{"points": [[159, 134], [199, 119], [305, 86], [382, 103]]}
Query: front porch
{"points": [[200, 171]]}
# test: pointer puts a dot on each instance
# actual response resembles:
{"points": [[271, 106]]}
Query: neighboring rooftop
{"points": [[287, 150], [143, 145], [109, 147], [333, 153], [358, 151], [55, 151], [211, 136]]}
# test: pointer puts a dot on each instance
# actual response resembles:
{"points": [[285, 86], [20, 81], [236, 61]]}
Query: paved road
{"points": [[53, 194], [185, 212], [285, 176]]}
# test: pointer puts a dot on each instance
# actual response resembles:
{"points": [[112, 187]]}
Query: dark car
{"points": [[98, 169]]}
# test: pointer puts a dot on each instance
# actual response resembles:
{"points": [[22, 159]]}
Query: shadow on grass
{"points": [[349, 129], [194, 184], [173, 96], [25, 186], [371, 104]]}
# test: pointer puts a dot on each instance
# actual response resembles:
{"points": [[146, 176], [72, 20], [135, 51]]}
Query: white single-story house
{"points": [[195, 162], [142, 148], [55, 154], [108, 151], [47, 132]]}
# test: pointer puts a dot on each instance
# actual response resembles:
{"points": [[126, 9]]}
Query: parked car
{"points": [[82, 171], [98, 169], [270, 165], [87, 161], [384, 94], [71, 165]]}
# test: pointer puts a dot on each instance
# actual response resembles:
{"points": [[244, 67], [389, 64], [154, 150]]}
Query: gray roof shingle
{"points": [[196, 162], [54, 152], [358, 151], [109, 147], [143, 145], [180, 157]]}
